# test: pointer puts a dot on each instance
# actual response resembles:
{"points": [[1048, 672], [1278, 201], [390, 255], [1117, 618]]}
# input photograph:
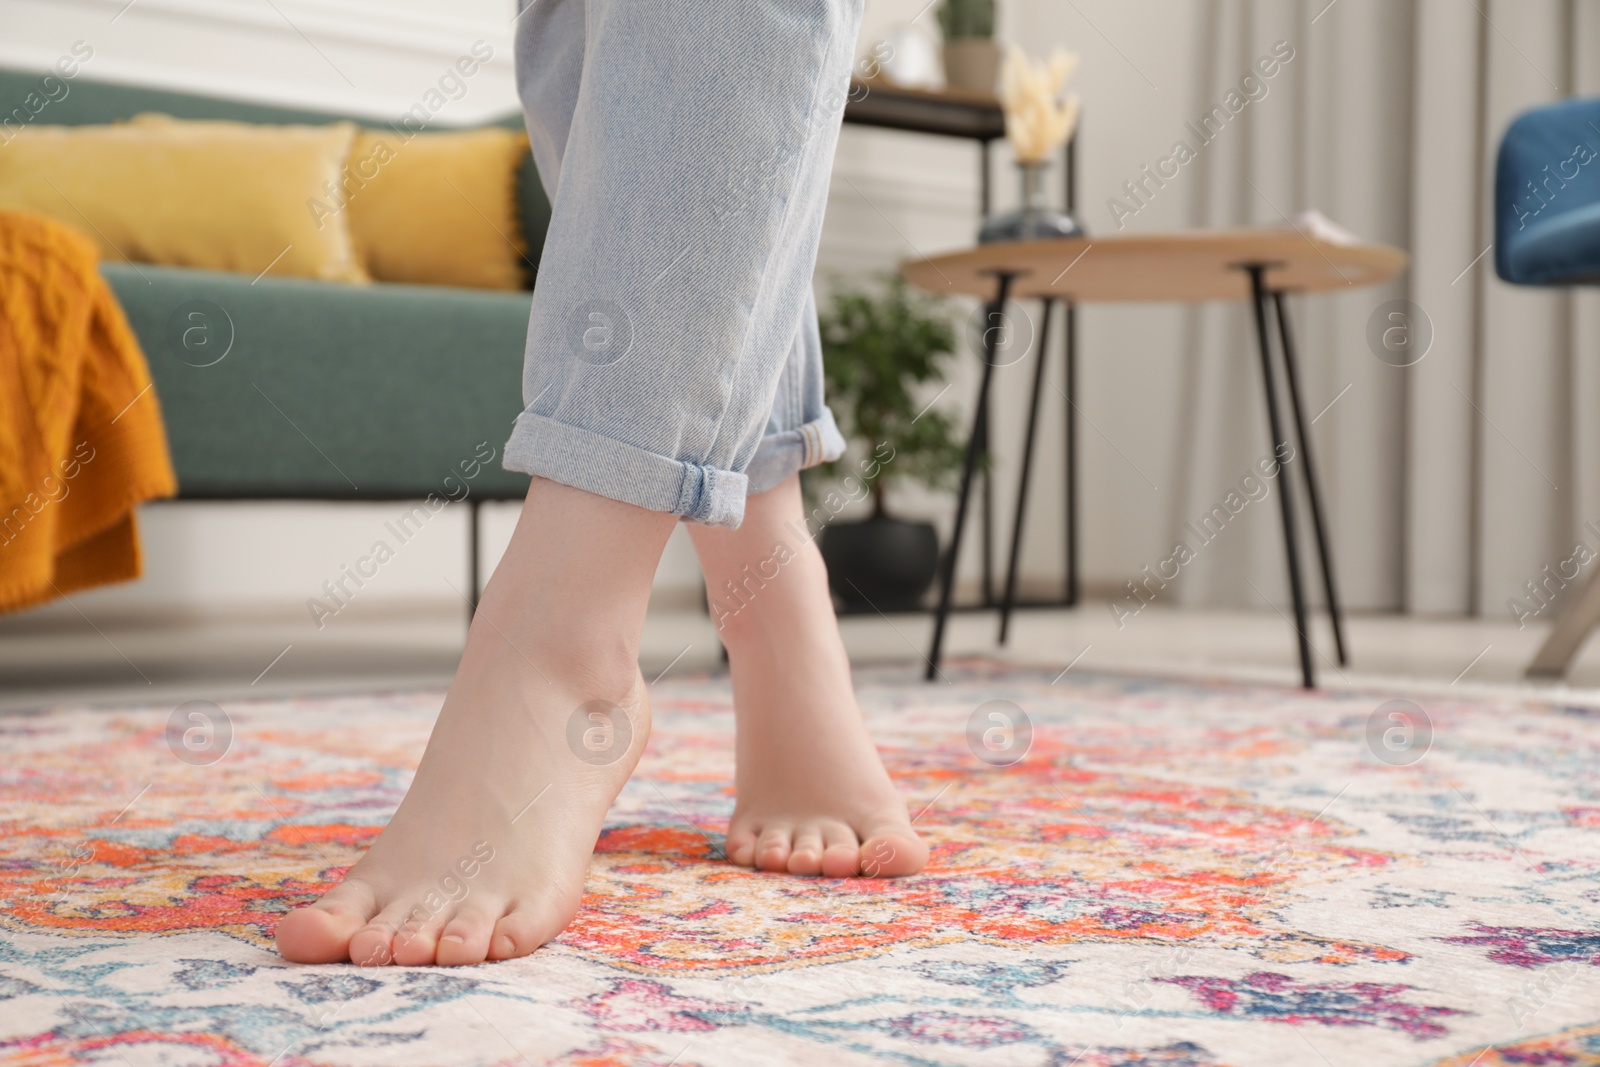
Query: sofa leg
{"points": [[473, 581]]}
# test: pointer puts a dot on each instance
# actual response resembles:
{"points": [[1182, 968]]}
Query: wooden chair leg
{"points": [[1572, 629]]}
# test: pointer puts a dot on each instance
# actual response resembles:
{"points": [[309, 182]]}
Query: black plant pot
{"points": [[883, 564]]}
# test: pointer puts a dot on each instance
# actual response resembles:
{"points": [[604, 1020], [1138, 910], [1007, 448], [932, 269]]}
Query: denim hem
{"points": [[784, 454], [585, 460]]}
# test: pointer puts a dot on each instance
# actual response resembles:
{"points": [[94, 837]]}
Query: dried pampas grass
{"points": [[1038, 118]]}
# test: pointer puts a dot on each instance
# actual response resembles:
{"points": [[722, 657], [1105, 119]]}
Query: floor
{"points": [[100, 663]]}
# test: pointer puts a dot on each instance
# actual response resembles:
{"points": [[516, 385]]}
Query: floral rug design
{"points": [[1155, 873]]}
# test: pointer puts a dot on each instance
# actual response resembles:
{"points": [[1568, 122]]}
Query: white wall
{"points": [[344, 55], [894, 195]]}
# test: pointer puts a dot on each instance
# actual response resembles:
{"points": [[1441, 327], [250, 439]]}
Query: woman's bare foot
{"points": [[486, 856], [813, 797]]}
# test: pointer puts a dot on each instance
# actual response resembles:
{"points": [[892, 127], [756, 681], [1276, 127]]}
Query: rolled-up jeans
{"points": [[673, 358]]}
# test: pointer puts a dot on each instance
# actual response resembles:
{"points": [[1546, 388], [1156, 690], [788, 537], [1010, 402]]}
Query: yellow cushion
{"points": [[439, 208], [217, 195]]}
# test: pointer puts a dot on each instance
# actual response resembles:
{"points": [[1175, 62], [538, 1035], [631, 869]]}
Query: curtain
{"points": [[1452, 482]]}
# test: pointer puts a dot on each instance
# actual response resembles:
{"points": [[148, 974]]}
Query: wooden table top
{"points": [[1182, 266]]}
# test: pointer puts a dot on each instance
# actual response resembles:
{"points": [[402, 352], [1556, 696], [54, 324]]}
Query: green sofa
{"points": [[326, 390]]}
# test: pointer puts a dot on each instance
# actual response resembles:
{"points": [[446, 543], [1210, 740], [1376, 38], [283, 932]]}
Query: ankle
{"points": [[749, 623], [589, 655], [600, 663]]}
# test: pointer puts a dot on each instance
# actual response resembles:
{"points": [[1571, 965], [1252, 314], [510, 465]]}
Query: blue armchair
{"points": [[1547, 196], [1547, 232]]}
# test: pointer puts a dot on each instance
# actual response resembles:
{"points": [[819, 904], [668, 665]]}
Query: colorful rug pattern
{"points": [[1183, 875]]}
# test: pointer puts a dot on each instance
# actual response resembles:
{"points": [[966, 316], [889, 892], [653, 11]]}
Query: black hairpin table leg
{"points": [[1280, 447], [1070, 329], [952, 557], [1010, 597], [986, 508], [1313, 492]]}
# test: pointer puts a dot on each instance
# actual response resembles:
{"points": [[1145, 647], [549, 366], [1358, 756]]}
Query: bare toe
{"points": [[317, 935], [806, 854], [465, 939], [416, 940], [521, 931], [321, 932], [772, 849], [841, 852], [374, 945], [741, 848], [893, 852]]}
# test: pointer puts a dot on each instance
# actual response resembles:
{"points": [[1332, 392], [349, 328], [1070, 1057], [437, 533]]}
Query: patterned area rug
{"points": [[1126, 872]]}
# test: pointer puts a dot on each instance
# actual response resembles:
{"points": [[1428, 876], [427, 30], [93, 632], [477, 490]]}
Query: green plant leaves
{"points": [[880, 341]]}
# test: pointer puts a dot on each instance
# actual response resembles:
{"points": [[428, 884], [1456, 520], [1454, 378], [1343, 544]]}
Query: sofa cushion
{"points": [[219, 195], [294, 388], [436, 208]]}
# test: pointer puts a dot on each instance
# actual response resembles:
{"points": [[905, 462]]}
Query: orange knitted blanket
{"points": [[81, 439]]}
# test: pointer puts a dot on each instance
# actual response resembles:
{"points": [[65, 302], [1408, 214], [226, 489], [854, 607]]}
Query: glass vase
{"points": [[1035, 219]]}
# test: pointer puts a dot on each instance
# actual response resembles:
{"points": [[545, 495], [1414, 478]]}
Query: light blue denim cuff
{"points": [[783, 454], [573, 456]]}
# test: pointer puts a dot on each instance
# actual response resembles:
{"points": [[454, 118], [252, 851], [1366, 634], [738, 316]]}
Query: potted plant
{"points": [[971, 58], [879, 343]]}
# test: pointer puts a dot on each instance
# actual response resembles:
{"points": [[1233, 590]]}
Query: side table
{"points": [[1259, 264]]}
